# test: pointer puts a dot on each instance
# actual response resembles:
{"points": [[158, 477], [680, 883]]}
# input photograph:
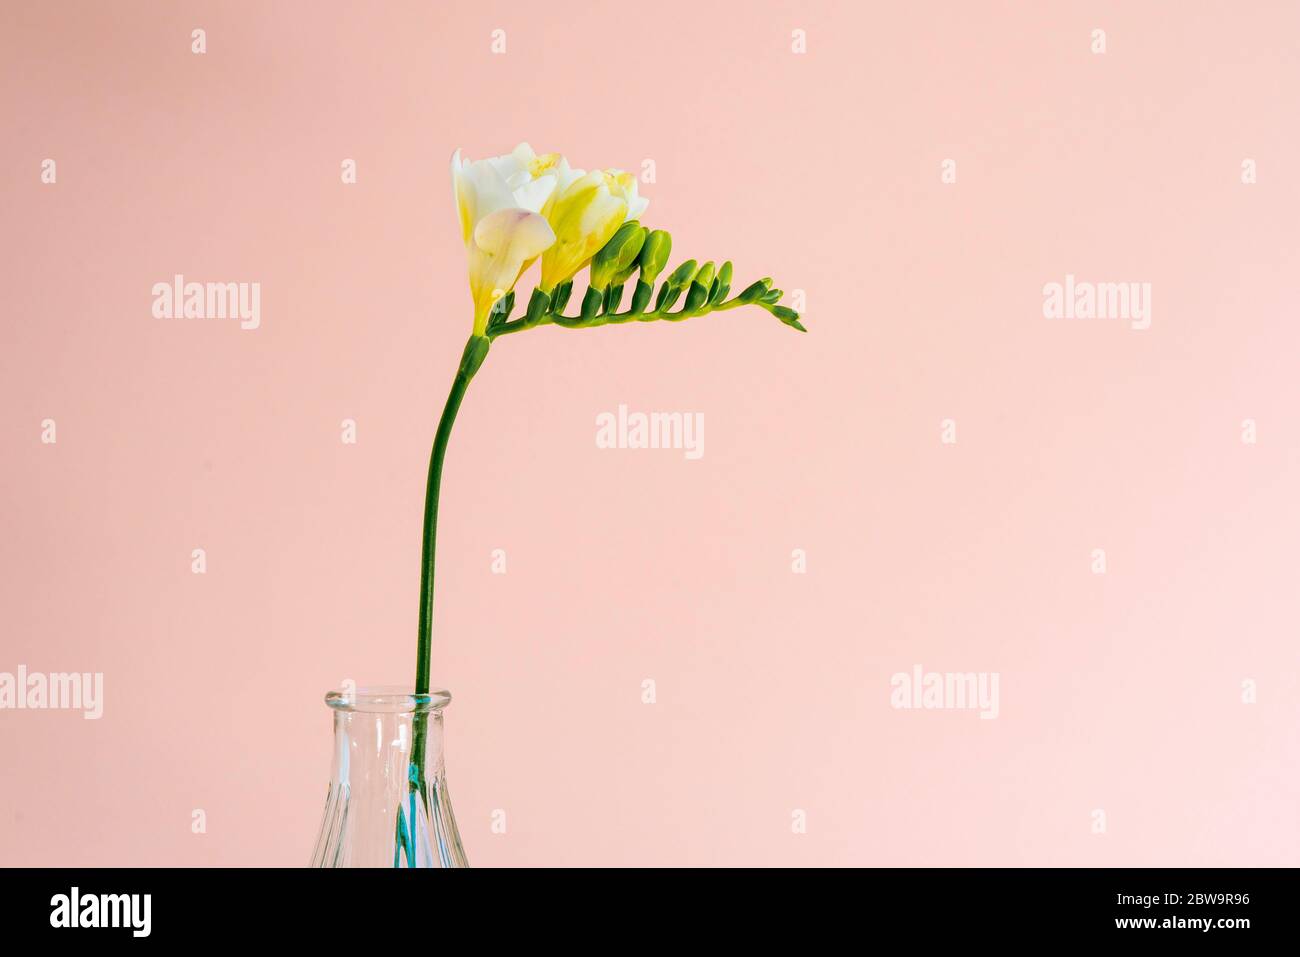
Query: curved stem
{"points": [[475, 353], [429, 541]]}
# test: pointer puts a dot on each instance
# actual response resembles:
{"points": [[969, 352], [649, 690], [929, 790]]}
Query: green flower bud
{"points": [[705, 276], [682, 274], [591, 302], [754, 291], [668, 294], [788, 316], [621, 278], [654, 255], [560, 295], [613, 296], [696, 297], [641, 296], [617, 255], [537, 307], [662, 297], [630, 260], [723, 284]]}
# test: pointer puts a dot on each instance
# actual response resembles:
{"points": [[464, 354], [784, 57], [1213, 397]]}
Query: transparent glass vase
{"points": [[388, 804]]}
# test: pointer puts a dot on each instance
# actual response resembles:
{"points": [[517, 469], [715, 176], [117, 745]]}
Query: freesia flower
{"points": [[521, 206], [584, 212], [500, 202]]}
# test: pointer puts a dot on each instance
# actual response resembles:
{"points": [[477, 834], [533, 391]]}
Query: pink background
{"points": [[1119, 692]]}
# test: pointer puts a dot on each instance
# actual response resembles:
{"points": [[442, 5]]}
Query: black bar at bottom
{"points": [[1228, 906]]}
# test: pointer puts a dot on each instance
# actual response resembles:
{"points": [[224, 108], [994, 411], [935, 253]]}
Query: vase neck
{"points": [[387, 799]]}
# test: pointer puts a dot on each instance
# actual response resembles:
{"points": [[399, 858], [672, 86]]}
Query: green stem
{"points": [[475, 352]]}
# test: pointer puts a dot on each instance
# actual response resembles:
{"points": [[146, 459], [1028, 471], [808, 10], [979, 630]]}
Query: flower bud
{"points": [[668, 294], [591, 302], [654, 255], [641, 296], [617, 256], [788, 316], [662, 298], [722, 285], [696, 296], [682, 274], [613, 296], [560, 295], [537, 307], [754, 291]]}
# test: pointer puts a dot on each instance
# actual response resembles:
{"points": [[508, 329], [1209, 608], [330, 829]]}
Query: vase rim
{"points": [[387, 699]]}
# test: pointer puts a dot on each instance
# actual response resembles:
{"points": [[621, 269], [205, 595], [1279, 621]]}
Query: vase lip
{"points": [[387, 699]]}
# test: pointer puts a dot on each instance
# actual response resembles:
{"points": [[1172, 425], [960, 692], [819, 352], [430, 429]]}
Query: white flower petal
{"points": [[523, 155], [533, 194]]}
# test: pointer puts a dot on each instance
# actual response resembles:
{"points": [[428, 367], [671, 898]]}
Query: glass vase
{"points": [[387, 804]]}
